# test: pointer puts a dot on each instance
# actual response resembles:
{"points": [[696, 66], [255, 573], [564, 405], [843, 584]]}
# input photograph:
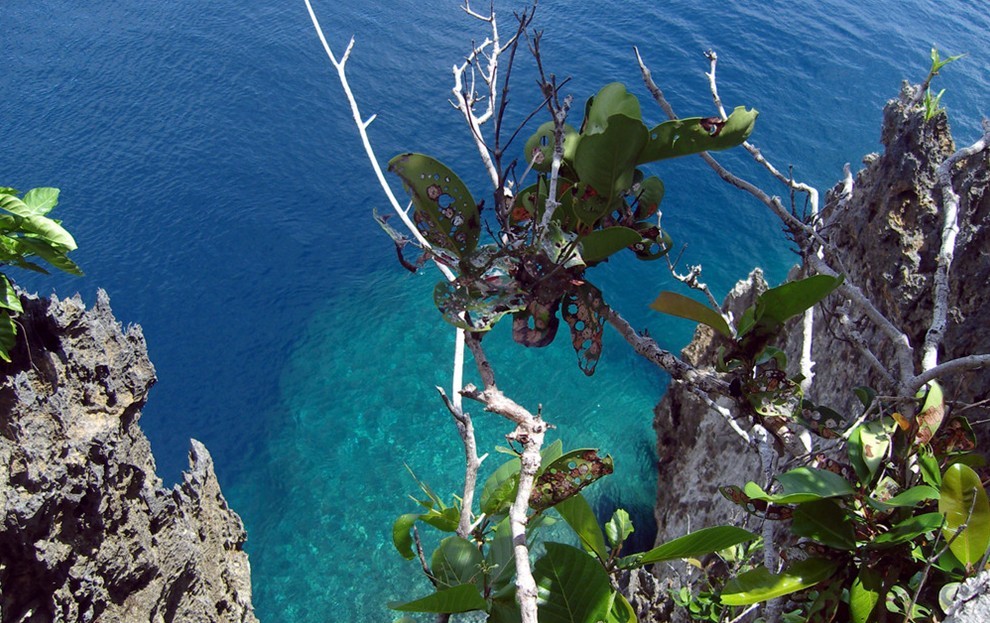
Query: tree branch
{"points": [[943, 262]]}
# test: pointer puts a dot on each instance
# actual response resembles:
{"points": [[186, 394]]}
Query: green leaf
{"points": [[607, 161], [41, 200], [622, 611], [777, 305], [581, 518], [961, 492], [826, 522], [619, 528], [456, 561], [445, 211], [601, 243], [8, 296], [499, 490], [908, 530], [541, 145], [868, 445], [683, 137], [402, 534], [760, 585], [612, 99], [501, 558], [932, 413], [864, 594], [684, 307], [819, 482], [698, 543], [463, 598], [648, 194], [8, 335], [572, 586], [907, 499], [52, 254], [928, 465]]}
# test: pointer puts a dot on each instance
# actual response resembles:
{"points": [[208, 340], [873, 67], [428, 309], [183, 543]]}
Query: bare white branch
{"points": [[961, 364], [943, 262]]}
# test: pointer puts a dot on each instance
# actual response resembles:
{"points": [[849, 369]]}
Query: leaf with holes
{"points": [[683, 137], [536, 326], [566, 476], [582, 310], [539, 148], [445, 212], [655, 244], [477, 304], [772, 394]]}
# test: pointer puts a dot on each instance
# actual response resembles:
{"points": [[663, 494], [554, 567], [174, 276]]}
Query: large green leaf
{"points": [[612, 99], [601, 243], [804, 484], [864, 594], [908, 530], [906, 499], [684, 307], [581, 518], [41, 200], [501, 559], [777, 305], [445, 211], [572, 586], [760, 585], [54, 255], [456, 561], [607, 160], [648, 194], [826, 522], [463, 598], [682, 137], [698, 543], [961, 493]]}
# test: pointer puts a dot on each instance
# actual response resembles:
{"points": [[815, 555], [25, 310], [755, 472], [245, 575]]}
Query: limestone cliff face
{"points": [[888, 231], [88, 532]]}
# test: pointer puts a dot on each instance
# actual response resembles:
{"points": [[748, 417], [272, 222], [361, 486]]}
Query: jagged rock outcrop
{"points": [[88, 532], [888, 231]]}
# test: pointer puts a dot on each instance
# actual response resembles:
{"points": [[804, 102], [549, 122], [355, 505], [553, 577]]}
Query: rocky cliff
{"points": [[88, 532], [888, 232]]}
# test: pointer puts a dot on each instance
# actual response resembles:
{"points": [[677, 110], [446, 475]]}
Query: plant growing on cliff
{"points": [[27, 234], [589, 202]]}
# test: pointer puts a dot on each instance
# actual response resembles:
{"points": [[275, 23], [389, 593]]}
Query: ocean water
{"points": [[213, 178]]}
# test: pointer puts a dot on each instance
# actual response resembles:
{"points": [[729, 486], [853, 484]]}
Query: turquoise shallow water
{"points": [[213, 178]]}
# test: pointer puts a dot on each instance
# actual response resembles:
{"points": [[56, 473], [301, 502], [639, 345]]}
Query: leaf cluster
{"points": [[906, 501], [28, 235], [574, 583], [603, 203]]}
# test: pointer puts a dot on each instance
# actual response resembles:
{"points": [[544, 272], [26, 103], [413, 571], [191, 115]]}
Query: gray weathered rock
{"points": [[888, 231], [88, 532]]}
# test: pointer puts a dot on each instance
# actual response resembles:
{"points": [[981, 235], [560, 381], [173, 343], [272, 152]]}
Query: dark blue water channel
{"points": [[213, 178]]}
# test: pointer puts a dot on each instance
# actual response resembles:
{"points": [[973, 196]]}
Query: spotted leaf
{"points": [[582, 311], [445, 212], [566, 476]]}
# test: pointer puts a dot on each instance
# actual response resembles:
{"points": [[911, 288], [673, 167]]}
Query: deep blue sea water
{"points": [[215, 183]]}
